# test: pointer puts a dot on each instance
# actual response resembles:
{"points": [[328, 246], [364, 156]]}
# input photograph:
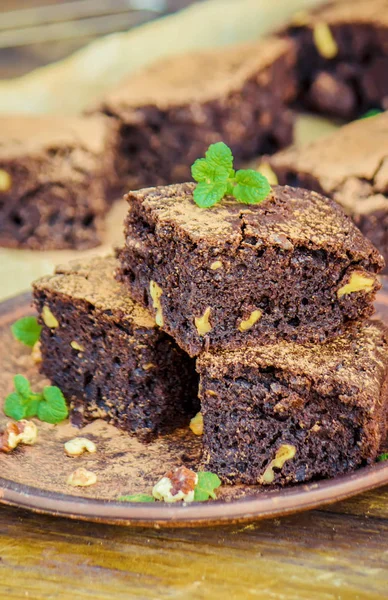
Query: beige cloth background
{"points": [[68, 86]]}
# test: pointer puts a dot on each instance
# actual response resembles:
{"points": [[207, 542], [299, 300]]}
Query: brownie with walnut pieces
{"points": [[286, 413], [351, 166], [52, 173], [166, 116], [293, 267], [343, 57], [107, 355]]}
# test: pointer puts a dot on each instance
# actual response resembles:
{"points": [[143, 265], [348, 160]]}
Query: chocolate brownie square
{"points": [[166, 116], [294, 267], [287, 413], [351, 166], [52, 173], [107, 355], [343, 57]]}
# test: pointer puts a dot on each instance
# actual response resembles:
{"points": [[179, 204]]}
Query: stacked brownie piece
{"points": [[342, 51], [165, 117], [53, 173], [351, 166], [107, 354], [273, 301]]}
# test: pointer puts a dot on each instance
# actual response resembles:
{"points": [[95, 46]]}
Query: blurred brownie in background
{"points": [[52, 172], [351, 166], [166, 116], [343, 57]]}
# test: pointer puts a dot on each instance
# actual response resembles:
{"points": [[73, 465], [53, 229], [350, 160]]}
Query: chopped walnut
{"points": [[76, 346], [358, 282], [250, 321], [22, 432], [5, 181], [81, 478], [324, 41], [79, 445], [48, 318], [155, 293], [176, 485], [196, 424], [284, 453], [202, 323], [36, 353]]}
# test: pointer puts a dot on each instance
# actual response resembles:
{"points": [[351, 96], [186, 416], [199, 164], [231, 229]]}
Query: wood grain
{"points": [[318, 555]]}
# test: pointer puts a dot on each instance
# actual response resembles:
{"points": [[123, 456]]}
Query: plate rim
{"points": [[266, 505]]}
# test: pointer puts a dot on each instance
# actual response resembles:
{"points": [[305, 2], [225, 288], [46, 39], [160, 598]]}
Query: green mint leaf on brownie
{"points": [[26, 330], [382, 457], [215, 178], [136, 498], [373, 112], [15, 407], [207, 483], [52, 408], [208, 194], [219, 155], [251, 187]]}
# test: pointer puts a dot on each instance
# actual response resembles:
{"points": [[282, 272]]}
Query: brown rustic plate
{"points": [[34, 478]]}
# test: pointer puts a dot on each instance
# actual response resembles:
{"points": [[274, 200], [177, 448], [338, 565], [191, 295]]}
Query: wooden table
{"points": [[337, 553]]}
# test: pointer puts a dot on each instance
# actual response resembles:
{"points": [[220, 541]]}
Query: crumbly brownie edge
{"points": [[137, 379]]}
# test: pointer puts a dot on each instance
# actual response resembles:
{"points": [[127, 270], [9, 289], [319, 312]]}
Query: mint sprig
{"points": [[207, 483], [382, 457], [216, 177], [23, 403], [26, 330], [136, 498]]}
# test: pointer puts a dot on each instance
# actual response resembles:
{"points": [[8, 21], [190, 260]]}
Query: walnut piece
{"points": [[324, 41], [36, 353], [176, 485], [284, 453], [48, 318], [202, 324], [5, 181], [252, 319], [358, 282], [81, 478], [196, 424], [217, 264], [156, 292], [21, 432], [76, 346], [265, 169], [79, 445]]}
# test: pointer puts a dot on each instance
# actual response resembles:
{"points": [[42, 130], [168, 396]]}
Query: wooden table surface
{"points": [[337, 553]]}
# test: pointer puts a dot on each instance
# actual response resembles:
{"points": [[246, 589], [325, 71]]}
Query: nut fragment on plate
{"points": [[81, 478], [176, 485], [79, 445], [22, 432]]}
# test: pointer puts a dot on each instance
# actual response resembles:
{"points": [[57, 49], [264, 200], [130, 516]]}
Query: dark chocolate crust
{"points": [[108, 356], [166, 117], [353, 78], [287, 258], [351, 166], [328, 402], [52, 182]]}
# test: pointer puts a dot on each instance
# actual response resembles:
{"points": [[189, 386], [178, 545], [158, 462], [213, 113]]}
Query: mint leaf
{"points": [[251, 186], [32, 405], [373, 112], [26, 330], [15, 407], [207, 483], [219, 155], [208, 194], [136, 498], [22, 386], [52, 407], [382, 457]]}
